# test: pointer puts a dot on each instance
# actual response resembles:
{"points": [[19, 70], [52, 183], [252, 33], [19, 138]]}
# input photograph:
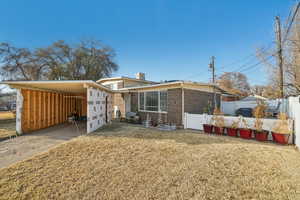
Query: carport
{"points": [[42, 104]]}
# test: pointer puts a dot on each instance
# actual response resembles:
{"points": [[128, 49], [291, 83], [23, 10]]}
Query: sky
{"points": [[166, 39]]}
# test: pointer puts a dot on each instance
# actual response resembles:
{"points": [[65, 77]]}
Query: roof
{"points": [[253, 98], [175, 84], [124, 78], [67, 86]]}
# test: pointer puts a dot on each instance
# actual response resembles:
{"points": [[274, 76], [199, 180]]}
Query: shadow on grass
{"points": [[190, 137]]}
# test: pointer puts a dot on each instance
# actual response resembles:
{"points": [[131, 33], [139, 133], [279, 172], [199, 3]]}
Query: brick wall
{"points": [[134, 102], [195, 101], [174, 114], [118, 100], [175, 106]]}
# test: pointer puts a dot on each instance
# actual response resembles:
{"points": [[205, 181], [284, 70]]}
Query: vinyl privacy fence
{"points": [[196, 121]]}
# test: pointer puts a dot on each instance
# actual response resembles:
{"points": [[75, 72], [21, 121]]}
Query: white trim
{"points": [[21, 84], [163, 112], [124, 78], [111, 82], [201, 90], [150, 86], [182, 85]]}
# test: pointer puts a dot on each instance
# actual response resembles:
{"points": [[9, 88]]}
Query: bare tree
{"points": [[88, 60], [234, 82], [291, 62]]}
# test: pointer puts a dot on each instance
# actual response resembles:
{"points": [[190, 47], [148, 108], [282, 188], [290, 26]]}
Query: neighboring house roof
{"points": [[253, 98], [175, 84], [124, 78], [68, 86]]}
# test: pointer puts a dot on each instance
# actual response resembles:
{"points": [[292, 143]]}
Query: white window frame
{"points": [[159, 110]]}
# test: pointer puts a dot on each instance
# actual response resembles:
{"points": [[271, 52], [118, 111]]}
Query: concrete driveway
{"points": [[27, 145]]}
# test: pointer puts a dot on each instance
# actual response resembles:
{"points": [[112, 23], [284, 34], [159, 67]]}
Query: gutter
{"points": [[27, 84]]}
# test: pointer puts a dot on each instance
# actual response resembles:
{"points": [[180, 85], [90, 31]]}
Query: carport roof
{"points": [[66, 86]]}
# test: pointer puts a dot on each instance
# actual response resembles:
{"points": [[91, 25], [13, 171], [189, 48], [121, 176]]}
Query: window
{"points": [[142, 101], [163, 101], [152, 101], [156, 101]]}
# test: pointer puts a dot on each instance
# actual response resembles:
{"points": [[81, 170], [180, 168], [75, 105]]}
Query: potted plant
{"points": [[245, 133], [219, 123], [282, 130], [233, 129], [259, 113], [208, 126]]}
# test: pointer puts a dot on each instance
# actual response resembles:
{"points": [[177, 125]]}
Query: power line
{"points": [[256, 64], [237, 61], [264, 49], [291, 22], [246, 66]]}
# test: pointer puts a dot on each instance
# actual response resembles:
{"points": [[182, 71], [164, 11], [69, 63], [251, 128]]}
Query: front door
{"points": [[127, 103]]}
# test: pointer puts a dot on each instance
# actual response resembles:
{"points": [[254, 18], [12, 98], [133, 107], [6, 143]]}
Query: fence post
{"points": [[296, 114], [185, 120]]}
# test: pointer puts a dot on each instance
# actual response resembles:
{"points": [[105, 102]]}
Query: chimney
{"points": [[140, 76]]}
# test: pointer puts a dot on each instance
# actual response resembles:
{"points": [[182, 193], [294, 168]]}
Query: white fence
{"points": [[230, 107], [294, 113], [196, 121], [291, 106]]}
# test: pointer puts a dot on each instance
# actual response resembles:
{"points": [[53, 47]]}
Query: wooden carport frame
{"points": [[42, 104]]}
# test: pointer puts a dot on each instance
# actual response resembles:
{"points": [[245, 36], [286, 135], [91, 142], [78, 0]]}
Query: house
{"points": [[41, 104], [116, 83], [166, 102], [8, 101]]}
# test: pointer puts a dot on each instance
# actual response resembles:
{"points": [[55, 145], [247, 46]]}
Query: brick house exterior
{"points": [[119, 101], [180, 100], [182, 96]]}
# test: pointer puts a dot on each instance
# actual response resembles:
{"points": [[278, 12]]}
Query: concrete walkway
{"points": [[27, 145]]}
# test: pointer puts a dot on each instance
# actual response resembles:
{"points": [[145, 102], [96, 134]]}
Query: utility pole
{"points": [[279, 54], [212, 67]]}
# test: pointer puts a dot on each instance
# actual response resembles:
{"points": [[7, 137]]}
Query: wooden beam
{"points": [[45, 109], [24, 119], [48, 109], [39, 106], [33, 114], [56, 108], [53, 109], [59, 108]]}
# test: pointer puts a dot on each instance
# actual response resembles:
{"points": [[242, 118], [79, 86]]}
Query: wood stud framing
{"points": [[42, 109]]}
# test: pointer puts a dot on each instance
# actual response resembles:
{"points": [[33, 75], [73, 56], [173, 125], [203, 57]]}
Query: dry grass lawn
{"points": [[7, 128], [129, 162]]}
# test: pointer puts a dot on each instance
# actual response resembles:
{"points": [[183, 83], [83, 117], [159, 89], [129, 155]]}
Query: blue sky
{"points": [[166, 39]]}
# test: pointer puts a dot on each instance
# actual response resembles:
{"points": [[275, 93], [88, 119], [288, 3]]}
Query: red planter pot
{"points": [[219, 130], [208, 128], [261, 135], [281, 138], [246, 133], [232, 132]]}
